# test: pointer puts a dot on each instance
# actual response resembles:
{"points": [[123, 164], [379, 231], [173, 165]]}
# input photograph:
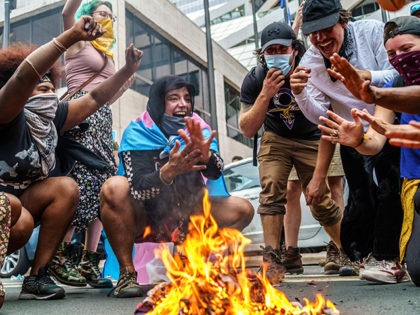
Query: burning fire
{"points": [[209, 277]]}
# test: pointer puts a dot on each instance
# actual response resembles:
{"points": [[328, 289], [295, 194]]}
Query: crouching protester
{"points": [[31, 119], [164, 155]]}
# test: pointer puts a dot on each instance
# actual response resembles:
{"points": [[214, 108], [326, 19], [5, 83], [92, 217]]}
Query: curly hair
{"points": [[89, 7], [12, 56], [297, 45]]}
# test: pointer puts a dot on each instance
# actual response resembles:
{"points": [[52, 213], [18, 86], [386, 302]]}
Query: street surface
{"points": [[351, 296]]}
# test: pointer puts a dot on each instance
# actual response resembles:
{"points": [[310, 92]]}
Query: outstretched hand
{"points": [[405, 135], [352, 79], [378, 125], [196, 138], [339, 130], [181, 162]]}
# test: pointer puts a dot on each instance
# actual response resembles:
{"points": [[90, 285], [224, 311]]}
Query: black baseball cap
{"points": [[404, 25], [277, 33], [320, 14]]}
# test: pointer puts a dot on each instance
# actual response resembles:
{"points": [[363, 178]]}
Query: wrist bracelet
{"points": [[362, 140], [61, 48], [163, 180]]}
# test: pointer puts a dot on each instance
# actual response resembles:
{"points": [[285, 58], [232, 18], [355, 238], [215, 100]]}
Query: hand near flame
{"points": [[196, 139], [181, 162]]}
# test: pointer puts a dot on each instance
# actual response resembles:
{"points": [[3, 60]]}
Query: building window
{"points": [[162, 58], [233, 107], [36, 29]]}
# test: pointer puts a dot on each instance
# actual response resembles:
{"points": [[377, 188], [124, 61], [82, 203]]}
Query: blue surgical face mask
{"points": [[279, 61]]}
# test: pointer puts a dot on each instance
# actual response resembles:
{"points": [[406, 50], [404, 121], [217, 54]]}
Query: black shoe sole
{"points": [[32, 296], [296, 271], [95, 285]]}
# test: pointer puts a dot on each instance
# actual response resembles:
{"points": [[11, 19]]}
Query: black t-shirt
{"points": [[284, 116], [20, 163]]}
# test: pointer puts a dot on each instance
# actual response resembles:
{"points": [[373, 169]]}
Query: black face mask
{"points": [[171, 124]]}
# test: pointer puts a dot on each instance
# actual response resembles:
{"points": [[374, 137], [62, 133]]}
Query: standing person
{"points": [[162, 182], [402, 41], [31, 119], [372, 215], [84, 61], [289, 139], [335, 180]]}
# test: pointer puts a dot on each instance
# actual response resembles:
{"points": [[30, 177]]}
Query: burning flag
{"points": [[208, 276]]}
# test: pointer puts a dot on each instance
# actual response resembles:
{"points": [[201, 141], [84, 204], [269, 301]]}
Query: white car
{"points": [[242, 180]]}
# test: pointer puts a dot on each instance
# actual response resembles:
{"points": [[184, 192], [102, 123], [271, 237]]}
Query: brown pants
{"points": [[277, 156]]}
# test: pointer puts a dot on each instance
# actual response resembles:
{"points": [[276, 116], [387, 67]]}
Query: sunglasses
{"points": [[414, 8], [105, 14]]}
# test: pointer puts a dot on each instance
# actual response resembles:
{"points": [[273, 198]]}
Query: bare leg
{"points": [[119, 219], [53, 201], [69, 235], [336, 187], [232, 211], [93, 235], [272, 225], [22, 225], [293, 216]]}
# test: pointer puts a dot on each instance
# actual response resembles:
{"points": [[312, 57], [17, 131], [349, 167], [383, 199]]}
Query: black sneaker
{"points": [[40, 287]]}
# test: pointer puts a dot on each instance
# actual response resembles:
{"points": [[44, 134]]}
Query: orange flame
{"points": [[147, 231], [209, 277]]}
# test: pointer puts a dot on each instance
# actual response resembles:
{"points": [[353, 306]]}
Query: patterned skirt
{"points": [[98, 139]]}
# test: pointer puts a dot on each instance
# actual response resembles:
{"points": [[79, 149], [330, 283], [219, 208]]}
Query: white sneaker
{"points": [[385, 271]]}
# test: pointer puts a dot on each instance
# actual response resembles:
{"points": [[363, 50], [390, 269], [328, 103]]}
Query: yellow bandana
{"points": [[105, 42]]}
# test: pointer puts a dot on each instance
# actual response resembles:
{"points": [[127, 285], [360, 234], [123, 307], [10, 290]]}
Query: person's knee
{"points": [[65, 189], [115, 191], [16, 208], [21, 231], [293, 190]]}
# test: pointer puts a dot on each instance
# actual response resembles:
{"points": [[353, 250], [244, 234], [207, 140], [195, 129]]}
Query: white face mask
{"points": [[282, 62]]}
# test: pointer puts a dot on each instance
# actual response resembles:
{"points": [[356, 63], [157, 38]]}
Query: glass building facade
{"points": [[161, 58]]}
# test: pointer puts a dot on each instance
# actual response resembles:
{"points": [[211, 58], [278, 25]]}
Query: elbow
{"points": [[246, 131]]}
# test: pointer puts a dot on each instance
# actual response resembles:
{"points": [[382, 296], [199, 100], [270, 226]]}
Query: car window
{"points": [[240, 177]]}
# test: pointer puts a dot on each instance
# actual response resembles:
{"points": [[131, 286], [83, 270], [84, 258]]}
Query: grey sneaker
{"points": [[332, 260], [348, 267], [275, 269], [127, 286]]}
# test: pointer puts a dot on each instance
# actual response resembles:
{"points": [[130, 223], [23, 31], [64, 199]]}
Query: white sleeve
{"points": [[313, 103]]}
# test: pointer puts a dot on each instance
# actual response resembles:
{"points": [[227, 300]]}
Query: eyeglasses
{"points": [[414, 8], [105, 14]]}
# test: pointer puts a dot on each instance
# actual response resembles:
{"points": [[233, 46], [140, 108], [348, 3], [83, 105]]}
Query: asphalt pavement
{"points": [[350, 295]]}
